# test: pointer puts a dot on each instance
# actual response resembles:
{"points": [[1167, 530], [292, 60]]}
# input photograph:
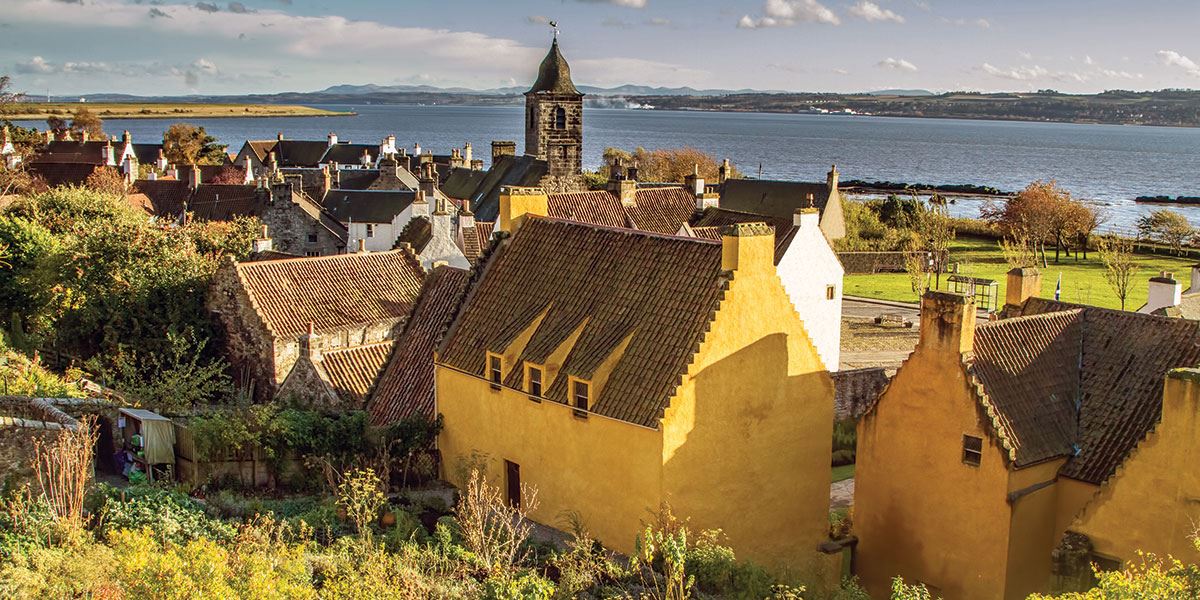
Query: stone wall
{"points": [[16, 452], [562, 147], [293, 230], [857, 390], [857, 263]]}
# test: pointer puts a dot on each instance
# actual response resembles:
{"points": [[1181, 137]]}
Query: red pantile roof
{"points": [[659, 210], [331, 292], [657, 291], [713, 217], [406, 387], [352, 372], [475, 240]]}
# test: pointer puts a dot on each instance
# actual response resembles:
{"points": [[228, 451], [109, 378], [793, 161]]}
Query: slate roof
{"points": [[554, 74], [857, 390], [362, 206], [220, 202], [416, 233], [300, 153], [1036, 368], [167, 196], [405, 389], [331, 292], [779, 199], [522, 171], [348, 154], [713, 218], [65, 173], [461, 183], [660, 210], [352, 372], [658, 292]]}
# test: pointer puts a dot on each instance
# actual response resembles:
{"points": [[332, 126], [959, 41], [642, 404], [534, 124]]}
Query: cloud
{"points": [[617, 23], [897, 63], [1112, 74], [156, 12], [980, 23], [785, 13], [626, 3], [1087, 60], [922, 4], [205, 66], [80, 2], [538, 20], [1025, 55], [207, 7], [869, 11], [658, 22], [239, 8], [1022, 73], [35, 65], [1175, 59]]}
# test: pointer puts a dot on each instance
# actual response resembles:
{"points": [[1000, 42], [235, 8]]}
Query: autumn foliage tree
{"points": [[186, 144], [82, 121], [1166, 227], [667, 165], [1041, 213]]}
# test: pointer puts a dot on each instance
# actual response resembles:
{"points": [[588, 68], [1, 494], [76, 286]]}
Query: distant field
{"points": [[39, 111], [1082, 282]]}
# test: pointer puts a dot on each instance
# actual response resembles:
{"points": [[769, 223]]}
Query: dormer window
{"points": [[533, 380], [581, 397], [495, 369]]}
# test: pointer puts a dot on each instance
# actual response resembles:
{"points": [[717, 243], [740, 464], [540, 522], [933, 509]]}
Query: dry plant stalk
{"points": [[492, 529], [63, 469]]}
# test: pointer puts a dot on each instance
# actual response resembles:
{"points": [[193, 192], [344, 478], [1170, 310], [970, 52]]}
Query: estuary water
{"points": [[1108, 165]]}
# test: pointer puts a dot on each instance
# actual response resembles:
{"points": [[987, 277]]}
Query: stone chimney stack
{"points": [[468, 155], [477, 164], [1195, 281], [130, 169], [362, 245], [747, 245], [106, 155], [161, 163], [273, 163], [326, 180], [501, 149], [262, 243], [428, 180], [331, 139], [517, 203], [831, 179], [248, 176], [366, 158], [947, 322], [806, 218], [310, 344], [622, 182], [420, 206], [1165, 292], [279, 137], [724, 172], [1023, 283], [194, 177], [466, 218], [417, 149]]}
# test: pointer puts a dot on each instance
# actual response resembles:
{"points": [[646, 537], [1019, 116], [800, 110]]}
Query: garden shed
{"points": [[149, 442]]}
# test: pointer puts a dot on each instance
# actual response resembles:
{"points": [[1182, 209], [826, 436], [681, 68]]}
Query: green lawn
{"points": [[843, 472], [1082, 281]]}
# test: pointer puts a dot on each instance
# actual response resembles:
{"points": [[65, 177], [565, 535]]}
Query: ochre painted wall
{"points": [[608, 471], [747, 437], [1073, 496], [1150, 504], [919, 511], [1032, 535]]}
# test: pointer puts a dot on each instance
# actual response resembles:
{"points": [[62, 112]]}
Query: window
{"points": [[581, 393], [370, 230], [560, 118], [562, 152], [972, 450], [533, 380], [312, 253], [830, 292], [312, 238], [495, 370]]}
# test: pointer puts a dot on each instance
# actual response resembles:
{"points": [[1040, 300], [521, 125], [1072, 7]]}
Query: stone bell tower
{"points": [[554, 117]]}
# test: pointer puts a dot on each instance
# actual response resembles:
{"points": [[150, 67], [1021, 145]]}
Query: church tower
{"points": [[554, 117]]}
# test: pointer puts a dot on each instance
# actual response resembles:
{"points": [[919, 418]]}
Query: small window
{"points": [[495, 370], [312, 238], [972, 450], [311, 253], [581, 393], [562, 152], [370, 230], [533, 380], [830, 292], [560, 118]]}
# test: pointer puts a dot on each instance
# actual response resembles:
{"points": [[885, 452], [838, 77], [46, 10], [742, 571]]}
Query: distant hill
{"points": [[622, 90], [901, 93]]}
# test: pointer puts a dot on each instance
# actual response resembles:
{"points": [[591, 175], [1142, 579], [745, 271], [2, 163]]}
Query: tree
{"points": [[1120, 267], [7, 96], [934, 232], [86, 121], [1166, 227], [1041, 212], [1152, 578], [106, 180], [186, 144]]}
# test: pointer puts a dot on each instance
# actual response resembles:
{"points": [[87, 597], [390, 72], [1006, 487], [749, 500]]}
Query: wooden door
{"points": [[512, 473]]}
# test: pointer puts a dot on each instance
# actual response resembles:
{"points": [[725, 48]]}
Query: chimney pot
{"points": [[362, 245]]}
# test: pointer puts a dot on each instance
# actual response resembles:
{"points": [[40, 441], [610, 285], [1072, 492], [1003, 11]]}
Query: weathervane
{"points": [[554, 26]]}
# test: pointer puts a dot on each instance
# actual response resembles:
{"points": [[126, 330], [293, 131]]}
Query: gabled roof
{"points": [[299, 153], [331, 292], [352, 372], [1035, 369], [476, 239], [348, 154], [461, 183], [405, 389], [657, 293], [363, 206], [660, 210], [554, 74], [167, 196], [66, 173], [521, 171], [713, 218], [221, 202], [416, 233], [779, 199]]}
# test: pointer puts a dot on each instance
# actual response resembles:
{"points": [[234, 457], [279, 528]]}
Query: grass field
{"points": [[843, 472], [150, 110], [1082, 282]]}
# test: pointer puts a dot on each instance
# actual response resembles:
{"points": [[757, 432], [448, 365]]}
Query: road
{"points": [[869, 309]]}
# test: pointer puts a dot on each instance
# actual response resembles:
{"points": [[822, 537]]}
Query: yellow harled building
{"points": [[1007, 457], [616, 370]]}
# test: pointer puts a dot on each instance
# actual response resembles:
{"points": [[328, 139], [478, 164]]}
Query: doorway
{"points": [[512, 475]]}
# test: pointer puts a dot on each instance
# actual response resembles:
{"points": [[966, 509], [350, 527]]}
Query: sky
{"points": [[169, 47]]}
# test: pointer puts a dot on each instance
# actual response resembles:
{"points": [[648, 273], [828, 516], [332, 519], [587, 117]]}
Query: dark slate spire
{"points": [[554, 76]]}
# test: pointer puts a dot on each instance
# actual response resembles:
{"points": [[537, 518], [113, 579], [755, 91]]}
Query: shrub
{"points": [[359, 494], [492, 529], [525, 586], [171, 515]]}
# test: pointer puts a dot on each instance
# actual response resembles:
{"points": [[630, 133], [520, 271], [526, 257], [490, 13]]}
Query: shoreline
{"points": [[152, 111]]}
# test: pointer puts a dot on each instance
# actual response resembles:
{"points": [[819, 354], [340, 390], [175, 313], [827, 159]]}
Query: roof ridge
{"points": [[312, 259], [624, 230]]}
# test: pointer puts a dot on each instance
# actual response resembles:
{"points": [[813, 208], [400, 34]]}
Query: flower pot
{"points": [[388, 519]]}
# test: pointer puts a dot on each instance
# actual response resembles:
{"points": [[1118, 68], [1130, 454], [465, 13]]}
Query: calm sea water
{"points": [[1108, 165]]}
